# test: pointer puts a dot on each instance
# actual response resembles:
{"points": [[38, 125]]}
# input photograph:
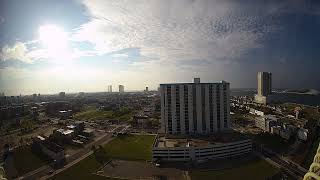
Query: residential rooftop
{"points": [[64, 132]]}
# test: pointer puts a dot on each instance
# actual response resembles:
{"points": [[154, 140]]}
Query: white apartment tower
{"points": [[195, 108]]}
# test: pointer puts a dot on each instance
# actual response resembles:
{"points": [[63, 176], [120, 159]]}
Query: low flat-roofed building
{"points": [[79, 126], [222, 145], [49, 148], [66, 132], [71, 127], [87, 132], [256, 112], [65, 114], [265, 122], [63, 135]]}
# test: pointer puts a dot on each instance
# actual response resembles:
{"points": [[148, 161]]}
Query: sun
{"points": [[53, 36], [55, 41]]}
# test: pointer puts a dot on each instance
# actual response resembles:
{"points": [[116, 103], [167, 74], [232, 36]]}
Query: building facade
{"points": [[205, 152], [264, 83], [121, 88], [264, 88], [265, 122], [195, 108], [110, 88]]}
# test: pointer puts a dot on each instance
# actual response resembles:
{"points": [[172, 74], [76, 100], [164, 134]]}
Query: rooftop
{"points": [[221, 82], [65, 132], [88, 130], [71, 127], [199, 141], [197, 81]]}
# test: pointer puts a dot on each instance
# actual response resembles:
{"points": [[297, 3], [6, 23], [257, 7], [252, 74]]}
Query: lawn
{"points": [[25, 160], [255, 169], [275, 143], [131, 147], [94, 114], [81, 171]]}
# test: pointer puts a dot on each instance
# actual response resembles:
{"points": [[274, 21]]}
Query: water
{"points": [[306, 99]]}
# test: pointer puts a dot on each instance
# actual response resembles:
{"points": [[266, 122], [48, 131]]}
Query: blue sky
{"points": [[85, 45]]}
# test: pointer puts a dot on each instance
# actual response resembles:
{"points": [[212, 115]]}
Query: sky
{"points": [[85, 45]]}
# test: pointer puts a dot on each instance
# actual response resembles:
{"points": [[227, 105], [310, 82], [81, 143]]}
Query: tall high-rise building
{"points": [[264, 88], [121, 88], [264, 83], [195, 108], [110, 88]]}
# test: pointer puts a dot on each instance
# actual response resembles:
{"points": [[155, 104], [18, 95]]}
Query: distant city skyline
{"points": [[82, 45]]}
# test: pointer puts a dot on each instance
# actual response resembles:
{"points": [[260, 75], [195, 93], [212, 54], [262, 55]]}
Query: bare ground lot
{"points": [[139, 170]]}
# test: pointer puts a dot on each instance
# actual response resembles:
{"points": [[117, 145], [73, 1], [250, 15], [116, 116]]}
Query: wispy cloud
{"points": [[1, 19], [211, 30]]}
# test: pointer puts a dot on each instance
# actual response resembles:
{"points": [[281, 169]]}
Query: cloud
{"points": [[18, 51], [283, 60], [120, 55], [1, 19], [30, 52], [174, 31]]}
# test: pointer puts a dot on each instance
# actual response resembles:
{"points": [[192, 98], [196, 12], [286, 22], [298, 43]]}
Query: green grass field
{"points": [[81, 171], [276, 143], [25, 160], [131, 147], [255, 169], [94, 114]]}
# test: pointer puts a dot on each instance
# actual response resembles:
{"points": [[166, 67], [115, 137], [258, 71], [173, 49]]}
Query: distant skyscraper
{"points": [[110, 88], [264, 88], [62, 94], [195, 108], [264, 83], [121, 88]]}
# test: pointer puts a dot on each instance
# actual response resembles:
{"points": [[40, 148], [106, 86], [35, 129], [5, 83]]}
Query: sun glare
{"points": [[55, 40], [52, 36]]}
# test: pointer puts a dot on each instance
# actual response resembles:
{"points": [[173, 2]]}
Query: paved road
{"points": [[293, 169], [83, 153], [103, 141]]}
